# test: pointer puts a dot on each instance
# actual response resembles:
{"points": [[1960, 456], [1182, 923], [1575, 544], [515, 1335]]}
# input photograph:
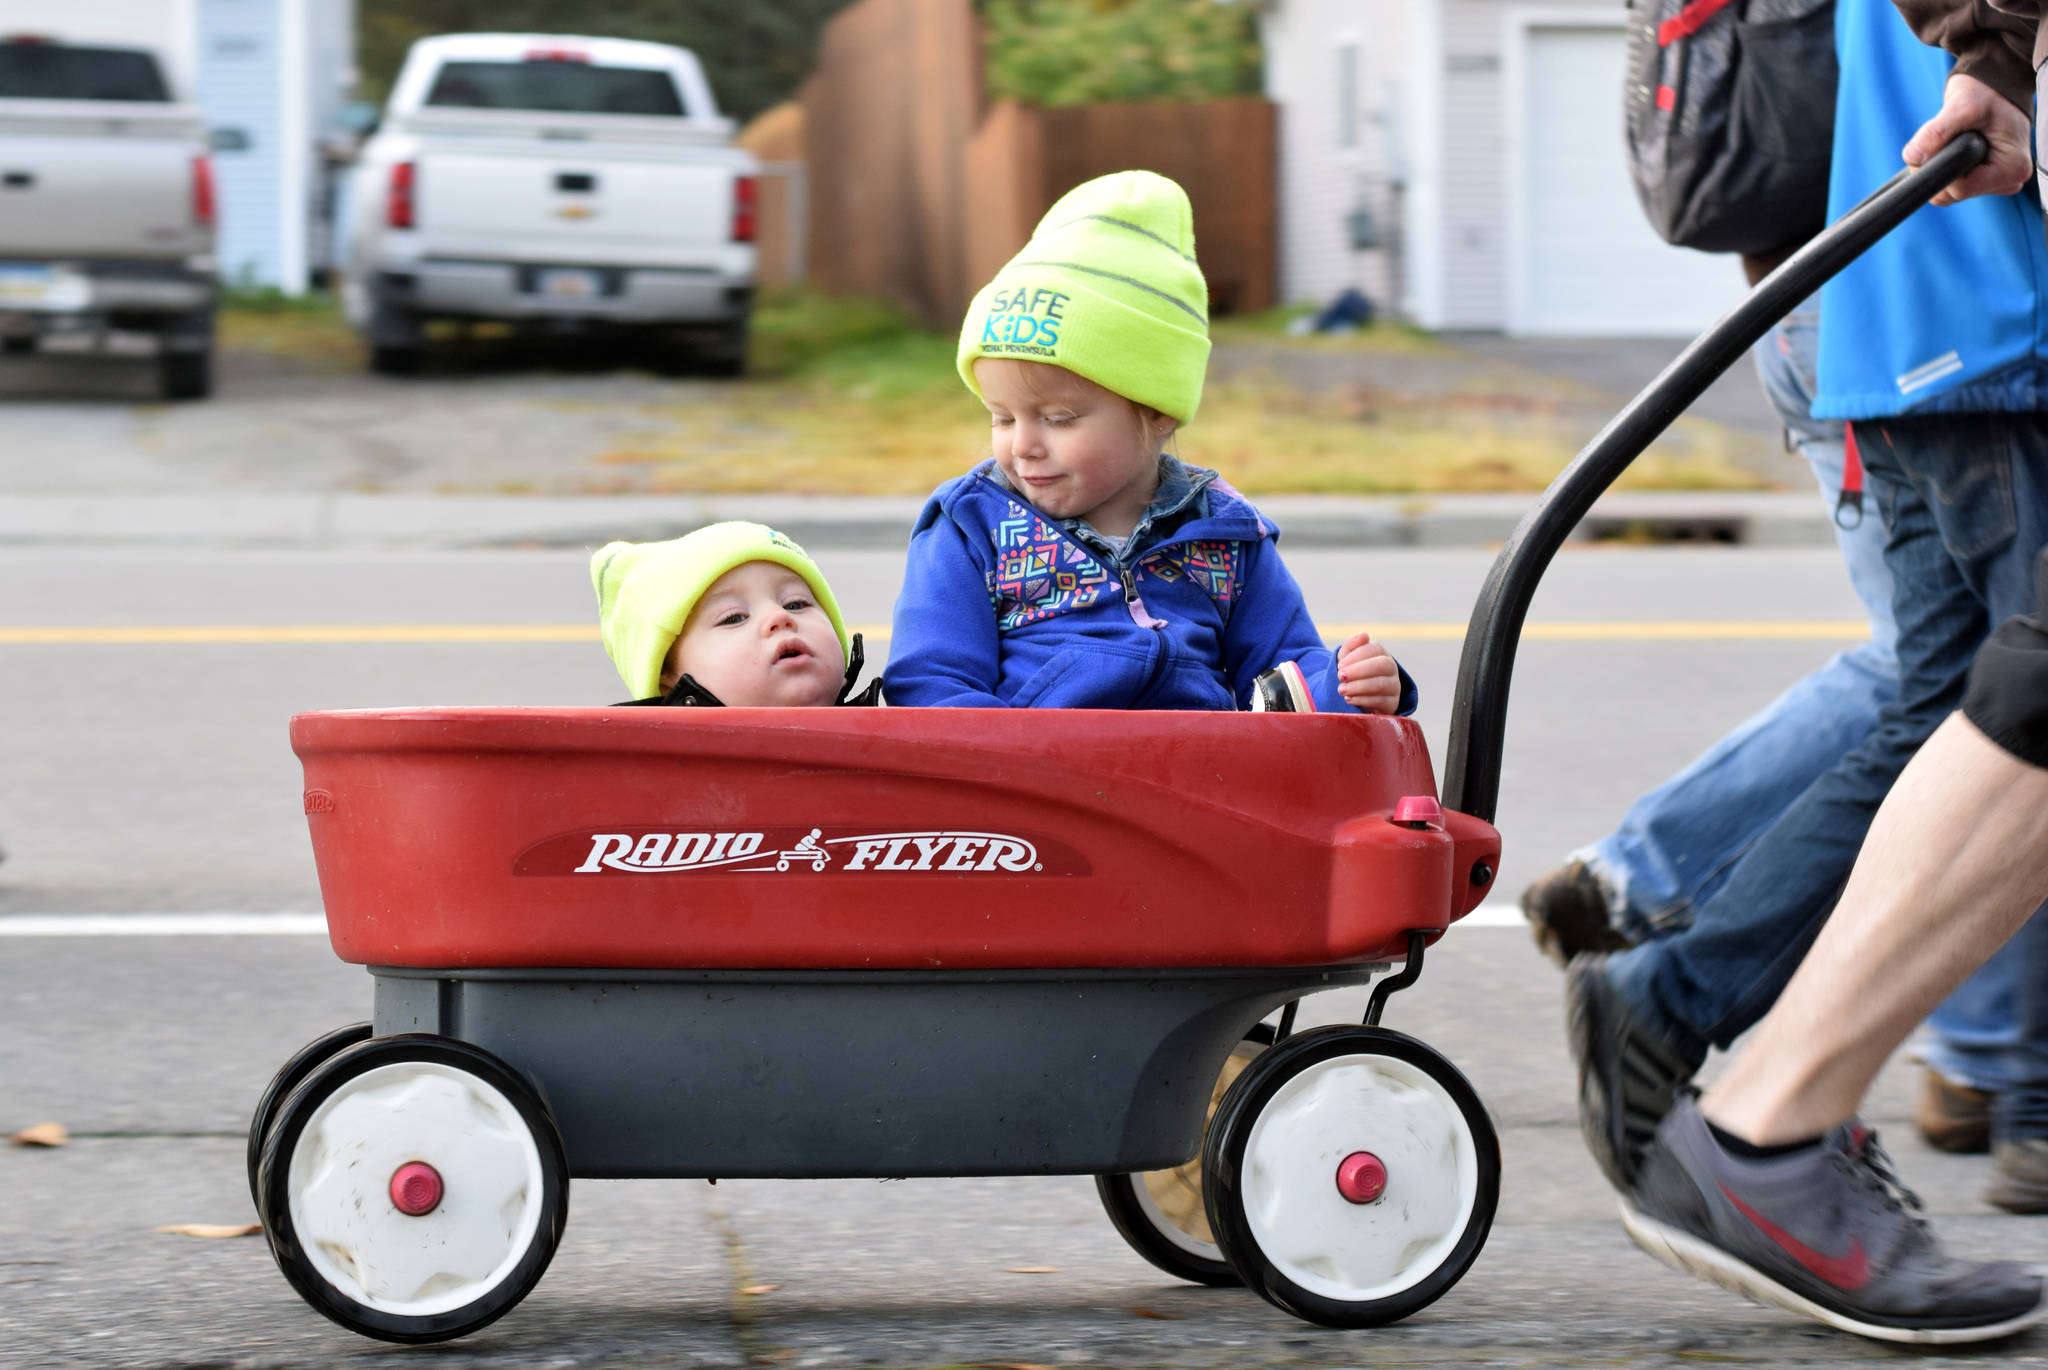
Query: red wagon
{"points": [[736, 942]]}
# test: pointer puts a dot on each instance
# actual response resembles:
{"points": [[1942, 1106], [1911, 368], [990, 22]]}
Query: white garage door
{"points": [[1587, 262]]}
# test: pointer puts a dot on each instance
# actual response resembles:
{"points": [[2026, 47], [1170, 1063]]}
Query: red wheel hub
{"points": [[416, 1189], [1361, 1177]]}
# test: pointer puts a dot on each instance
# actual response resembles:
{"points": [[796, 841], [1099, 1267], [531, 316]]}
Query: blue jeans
{"points": [[1677, 844], [1965, 504]]}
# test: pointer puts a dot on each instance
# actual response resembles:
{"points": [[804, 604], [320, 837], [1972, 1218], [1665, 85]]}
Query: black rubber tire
{"points": [[1125, 1205], [1223, 1167], [405, 360], [1120, 1199], [287, 1080], [274, 1204], [18, 346], [725, 355], [185, 375]]}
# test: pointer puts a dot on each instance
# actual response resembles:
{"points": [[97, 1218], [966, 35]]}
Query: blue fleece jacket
{"points": [[1004, 607]]}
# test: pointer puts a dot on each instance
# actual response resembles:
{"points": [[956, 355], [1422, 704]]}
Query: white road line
{"points": [[1493, 916], [315, 925]]}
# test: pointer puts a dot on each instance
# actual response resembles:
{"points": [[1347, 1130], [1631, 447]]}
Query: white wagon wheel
{"points": [[1352, 1176], [413, 1188]]}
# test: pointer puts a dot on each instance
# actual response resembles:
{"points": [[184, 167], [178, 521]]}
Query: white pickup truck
{"points": [[551, 181], [106, 208]]}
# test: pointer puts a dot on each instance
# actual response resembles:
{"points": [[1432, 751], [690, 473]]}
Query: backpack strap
{"points": [[1849, 503]]}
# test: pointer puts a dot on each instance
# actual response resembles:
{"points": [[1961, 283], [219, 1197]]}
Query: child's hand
{"points": [[1366, 676]]}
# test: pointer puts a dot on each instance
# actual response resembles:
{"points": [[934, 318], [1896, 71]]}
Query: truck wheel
{"points": [[397, 361], [18, 347], [725, 352], [185, 375]]}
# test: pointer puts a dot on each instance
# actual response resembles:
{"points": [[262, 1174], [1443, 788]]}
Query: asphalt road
{"points": [[153, 775]]}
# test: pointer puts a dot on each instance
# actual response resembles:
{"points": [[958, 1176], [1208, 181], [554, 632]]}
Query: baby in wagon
{"points": [[734, 613], [1081, 566]]}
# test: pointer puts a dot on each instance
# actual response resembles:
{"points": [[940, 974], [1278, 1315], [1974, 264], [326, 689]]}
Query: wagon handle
{"points": [[1479, 708]]}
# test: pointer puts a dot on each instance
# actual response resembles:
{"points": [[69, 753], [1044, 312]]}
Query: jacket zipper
{"points": [[1140, 615]]}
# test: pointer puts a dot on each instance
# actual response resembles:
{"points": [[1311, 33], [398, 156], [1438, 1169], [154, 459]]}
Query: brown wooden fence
{"points": [[886, 116], [918, 193]]}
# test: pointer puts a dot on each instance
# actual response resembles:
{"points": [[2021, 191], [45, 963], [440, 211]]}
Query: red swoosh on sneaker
{"points": [[1850, 1270]]}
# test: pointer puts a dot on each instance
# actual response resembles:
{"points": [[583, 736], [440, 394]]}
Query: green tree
{"points": [[755, 53], [1078, 52]]}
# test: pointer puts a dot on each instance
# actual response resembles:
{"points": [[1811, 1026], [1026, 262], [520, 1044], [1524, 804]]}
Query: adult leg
{"points": [[1676, 843], [1768, 1186], [1640, 1022], [1956, 862], [1707, 984]]}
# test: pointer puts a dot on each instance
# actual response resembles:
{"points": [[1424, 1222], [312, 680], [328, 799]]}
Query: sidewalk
{"points": [[317, 520]]}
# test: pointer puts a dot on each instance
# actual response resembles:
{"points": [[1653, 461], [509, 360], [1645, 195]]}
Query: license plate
{"points": [[27, 285], [569, 285]]}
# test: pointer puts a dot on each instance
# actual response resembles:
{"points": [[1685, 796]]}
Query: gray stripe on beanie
{"points": [[1135, 228], [1173, 300]]}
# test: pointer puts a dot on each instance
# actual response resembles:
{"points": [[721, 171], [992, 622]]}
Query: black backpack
{"points": [[1729, 114]]}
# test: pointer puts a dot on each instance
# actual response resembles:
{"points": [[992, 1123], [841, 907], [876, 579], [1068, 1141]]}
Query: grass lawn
{"points": [[845, 397]]}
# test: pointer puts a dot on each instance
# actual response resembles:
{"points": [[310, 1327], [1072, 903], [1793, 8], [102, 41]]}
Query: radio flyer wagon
{"points": [[890, 942]]}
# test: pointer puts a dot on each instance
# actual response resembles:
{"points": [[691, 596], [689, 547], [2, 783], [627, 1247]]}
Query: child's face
{"points": [[757, 639], [1070, 447]]}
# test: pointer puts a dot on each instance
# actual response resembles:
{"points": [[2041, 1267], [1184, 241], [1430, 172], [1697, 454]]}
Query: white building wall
{"points": [[241, 87], [1473, 223], [270, 76], [1469, 284], [330, 78], [1332, 166]]}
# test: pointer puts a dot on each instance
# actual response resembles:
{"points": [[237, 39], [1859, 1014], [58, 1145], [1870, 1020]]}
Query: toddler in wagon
{"points": [[1081, 566], [734, 613]]}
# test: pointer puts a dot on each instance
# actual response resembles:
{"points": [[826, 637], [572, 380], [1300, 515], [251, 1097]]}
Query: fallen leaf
{"points": [[42, 1134], [1034, 1270], [760, 1288], [212, 1229], [1145, 1312]]}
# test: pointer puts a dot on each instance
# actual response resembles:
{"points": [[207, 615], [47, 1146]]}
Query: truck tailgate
{"points": [[79, 181], [563, 203]]}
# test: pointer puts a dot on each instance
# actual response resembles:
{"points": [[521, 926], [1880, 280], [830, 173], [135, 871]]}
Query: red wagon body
{"points": [[877, 839]]}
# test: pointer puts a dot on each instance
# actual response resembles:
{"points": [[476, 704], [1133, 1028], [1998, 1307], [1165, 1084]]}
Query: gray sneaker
{"points": [[1628, 1075], [1827, 1231]]}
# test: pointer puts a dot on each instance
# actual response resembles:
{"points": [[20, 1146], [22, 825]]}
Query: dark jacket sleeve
{"points": [[1995, 42], [1269, 624], [943, 649]]}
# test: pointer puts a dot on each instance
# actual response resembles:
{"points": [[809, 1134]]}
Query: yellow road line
{"points": [[453, 634], [1625, 630], [266, 634]]}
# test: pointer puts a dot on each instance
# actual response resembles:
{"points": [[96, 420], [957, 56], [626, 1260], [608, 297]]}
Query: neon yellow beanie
{"points": [[1108, 288], [645, 590]]}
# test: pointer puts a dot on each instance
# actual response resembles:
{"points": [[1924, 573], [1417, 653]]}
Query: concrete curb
{"points": [[878, 522]]}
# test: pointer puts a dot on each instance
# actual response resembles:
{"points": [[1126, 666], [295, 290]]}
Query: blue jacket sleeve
{"points": [[943, 648], [1269, 624]]}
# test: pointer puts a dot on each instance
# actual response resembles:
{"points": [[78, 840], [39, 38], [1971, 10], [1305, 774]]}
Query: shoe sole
{"points": [[1682, 1251], [2016, 1198], [1610, 1153]]}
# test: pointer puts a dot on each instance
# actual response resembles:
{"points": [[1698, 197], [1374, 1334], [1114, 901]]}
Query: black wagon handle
{"points": [[1479, 709]]}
